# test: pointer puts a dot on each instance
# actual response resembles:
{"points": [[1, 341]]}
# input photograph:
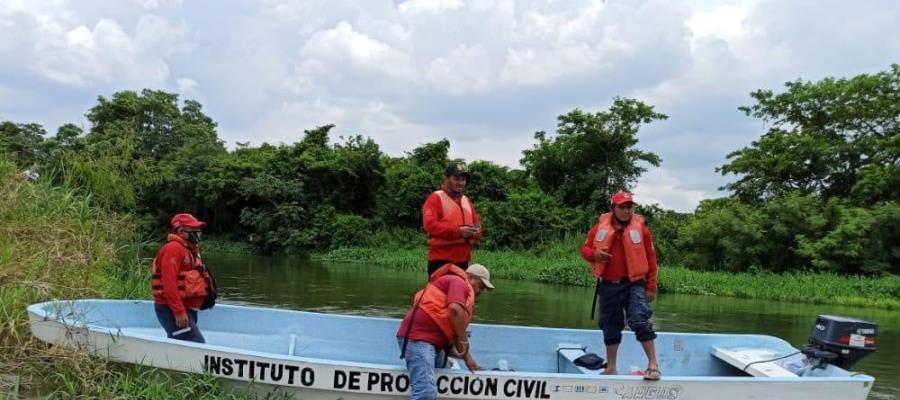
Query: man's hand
{"points": [[651, 296], [600, 255], [462, 348], [181, 321], [468, 231], [471, 364]]}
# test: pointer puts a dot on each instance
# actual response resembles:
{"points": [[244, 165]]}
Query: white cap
{"points": [[481, 272]]}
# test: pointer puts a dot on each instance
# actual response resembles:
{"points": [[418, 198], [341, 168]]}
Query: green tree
{"points": [[862, 240], [592, 155], [148, 148], [724, 234], [489, 181], [108, 171], [526, 220], [23, 142], [153, 116], [664, 226], [836, 137], [311, 195], [408, 182]]}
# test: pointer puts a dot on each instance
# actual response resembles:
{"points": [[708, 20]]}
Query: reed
{"points": [[55, 245]]}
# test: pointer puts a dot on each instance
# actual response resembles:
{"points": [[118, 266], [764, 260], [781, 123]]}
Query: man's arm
{"points": [[170, 265], [431, 214], [458, 319], [588, 252], [651, 263]]}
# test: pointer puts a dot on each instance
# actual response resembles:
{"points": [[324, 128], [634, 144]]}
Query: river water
{"points": [[359, 289]]}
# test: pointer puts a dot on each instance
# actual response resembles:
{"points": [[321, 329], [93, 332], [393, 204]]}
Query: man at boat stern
{"points": [[435, 326], [178, 289], [620, 250], [450, 219]]}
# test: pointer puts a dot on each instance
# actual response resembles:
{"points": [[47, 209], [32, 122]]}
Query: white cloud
{"points": [[286, 123], [186, 85], [157, 4], [343, 41], [83, 55], [342, 55], [658, 186], [59, 44], [428, 6], [485, 74], [725, 22], [464, 69], [157, 35]]}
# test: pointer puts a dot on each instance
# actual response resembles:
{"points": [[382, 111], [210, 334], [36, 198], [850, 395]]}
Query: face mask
{"points": [[194, 237]]}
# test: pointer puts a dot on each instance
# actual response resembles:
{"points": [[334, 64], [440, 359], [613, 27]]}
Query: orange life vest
{"points": [[433, 301], [632, 241], [191, 274], [461, 213]]}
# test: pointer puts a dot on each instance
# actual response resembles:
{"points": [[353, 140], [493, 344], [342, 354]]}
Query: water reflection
{"points": [[374, 291]]}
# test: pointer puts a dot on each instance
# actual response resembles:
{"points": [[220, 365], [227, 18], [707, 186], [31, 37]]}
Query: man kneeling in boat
{"points": [[180, 281], [427, 338], [620, 250]]}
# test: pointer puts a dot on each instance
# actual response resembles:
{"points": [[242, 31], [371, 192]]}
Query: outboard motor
{"points": [[841, 341]]}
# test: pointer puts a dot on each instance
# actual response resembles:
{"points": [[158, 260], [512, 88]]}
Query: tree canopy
{"points": [[817, 190], [592, 155], [834, 138]]}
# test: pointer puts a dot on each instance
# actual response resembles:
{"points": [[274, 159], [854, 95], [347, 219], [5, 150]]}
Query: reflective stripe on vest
{"points": [[434, 302], [632, 242], [461, 213]]}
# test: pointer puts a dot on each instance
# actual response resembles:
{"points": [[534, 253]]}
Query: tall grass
{"points": [[55, 245], [561, 263]]}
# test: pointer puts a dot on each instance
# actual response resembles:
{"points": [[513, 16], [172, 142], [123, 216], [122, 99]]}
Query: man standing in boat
{"points": [[450, 219], [623, 260], [435, 326], [179, 280]]}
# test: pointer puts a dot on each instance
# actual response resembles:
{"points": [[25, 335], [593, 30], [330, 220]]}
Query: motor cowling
{"points": [[841, 341]]}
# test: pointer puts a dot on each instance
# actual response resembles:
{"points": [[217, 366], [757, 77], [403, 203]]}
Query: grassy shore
{"points": [[55, 245], [561, 263]]}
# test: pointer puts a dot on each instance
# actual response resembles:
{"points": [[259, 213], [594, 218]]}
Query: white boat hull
{"points": [[313, 379]]}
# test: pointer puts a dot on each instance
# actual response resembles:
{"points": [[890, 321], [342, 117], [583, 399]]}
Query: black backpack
{"points": [[212, 291]]}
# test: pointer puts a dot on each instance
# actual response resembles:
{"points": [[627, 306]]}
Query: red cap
{"points": [[186, 221], [621, 198]]}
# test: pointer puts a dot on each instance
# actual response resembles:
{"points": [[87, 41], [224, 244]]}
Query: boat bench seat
{"points": [[754, 361], [569, 352]]}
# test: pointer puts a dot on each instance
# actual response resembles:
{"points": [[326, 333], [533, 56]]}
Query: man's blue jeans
{"points": [[620, 299], [167, 320], [421, 360]]}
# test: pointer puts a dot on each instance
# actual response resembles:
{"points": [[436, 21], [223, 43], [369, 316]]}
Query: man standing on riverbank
{"points": [[450, 219], [447, 305], [179, 285], [623, 260]]}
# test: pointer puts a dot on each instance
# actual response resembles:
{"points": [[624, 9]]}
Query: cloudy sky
{"points": [[484, 74]]}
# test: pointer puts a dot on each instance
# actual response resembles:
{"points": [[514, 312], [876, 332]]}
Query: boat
{"points": [[328, 356]]}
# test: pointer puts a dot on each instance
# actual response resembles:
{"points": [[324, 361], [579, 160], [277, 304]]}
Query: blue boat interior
{"points": [[342, 338]]}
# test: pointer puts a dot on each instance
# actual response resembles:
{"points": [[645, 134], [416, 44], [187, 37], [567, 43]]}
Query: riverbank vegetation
{"points": [[560, 263], [54, 244], [816, 192]]}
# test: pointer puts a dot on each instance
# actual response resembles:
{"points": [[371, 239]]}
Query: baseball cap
{"points": [[621, 197], [456, 169], [186, 221], [481, 272]]}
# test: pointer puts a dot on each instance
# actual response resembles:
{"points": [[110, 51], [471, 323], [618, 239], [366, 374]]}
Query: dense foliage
{"points": [[817, 191]]}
